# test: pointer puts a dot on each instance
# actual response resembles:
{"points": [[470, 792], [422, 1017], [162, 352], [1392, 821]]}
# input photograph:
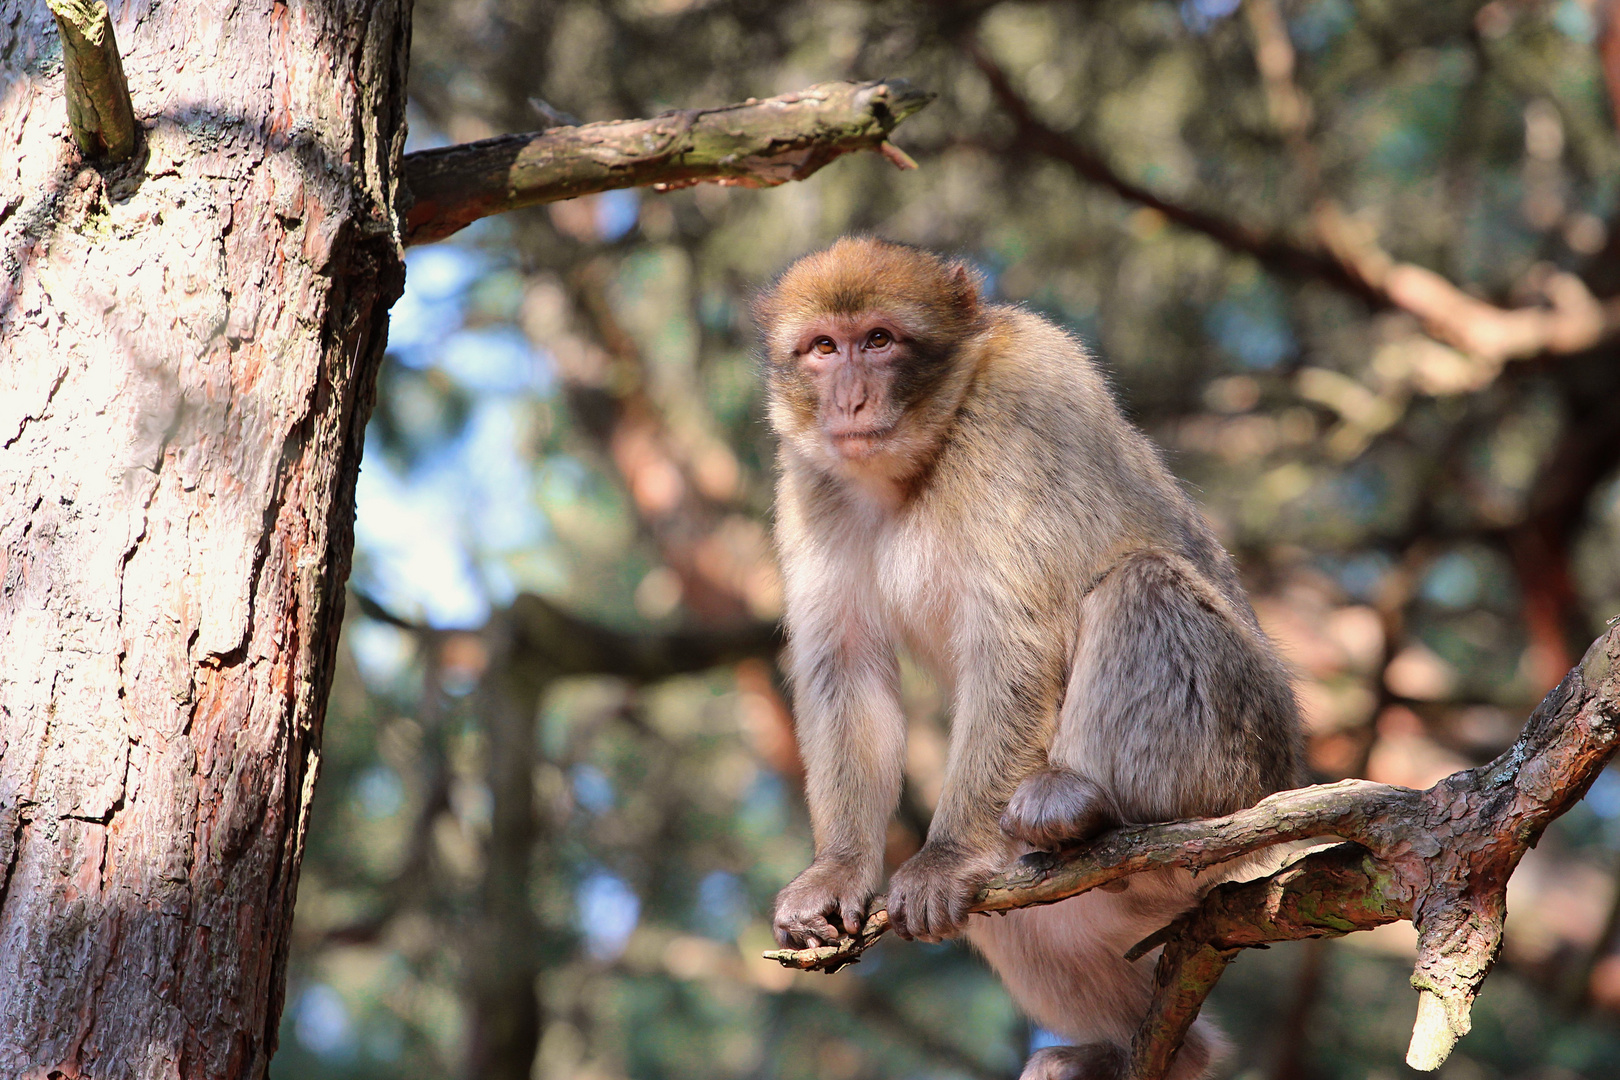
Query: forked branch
{"points": [[1440, 857], [751, 144], [1345, 254]]}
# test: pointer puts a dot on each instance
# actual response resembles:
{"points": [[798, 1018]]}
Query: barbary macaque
{"points": [[956, 479]]}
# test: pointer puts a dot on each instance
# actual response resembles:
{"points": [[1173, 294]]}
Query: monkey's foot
{"points": [[1093, 1061], [1057, 806]]}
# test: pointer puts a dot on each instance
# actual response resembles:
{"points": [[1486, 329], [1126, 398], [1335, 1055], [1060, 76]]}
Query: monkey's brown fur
{"points": [[956, 479]]}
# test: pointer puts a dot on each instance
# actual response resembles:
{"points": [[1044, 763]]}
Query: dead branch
{"points": [[560, 643], [99, 109], [751, 144], [1440, 857], [1346, 255]]}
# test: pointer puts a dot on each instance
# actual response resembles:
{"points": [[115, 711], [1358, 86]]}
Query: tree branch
{"points": [[562, 643], [752, 144], [1440, 857], [1347, 257], [99, 109]]}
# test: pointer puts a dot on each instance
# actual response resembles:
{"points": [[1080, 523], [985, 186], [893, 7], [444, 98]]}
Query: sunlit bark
{"points": [[189, 344]]}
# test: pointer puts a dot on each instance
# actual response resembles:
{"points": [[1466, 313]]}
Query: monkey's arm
{"points": [[1006, 692], [852, 733]]}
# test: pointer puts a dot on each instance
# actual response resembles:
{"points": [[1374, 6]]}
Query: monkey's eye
{"points": [[824, 345], [879, 339]]}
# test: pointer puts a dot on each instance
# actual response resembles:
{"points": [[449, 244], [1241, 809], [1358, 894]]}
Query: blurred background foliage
{"points": [[560, 788]]}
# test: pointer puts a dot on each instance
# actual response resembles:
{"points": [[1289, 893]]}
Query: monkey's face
{"points": [[865, 344], [858, 393], [851, 365]]}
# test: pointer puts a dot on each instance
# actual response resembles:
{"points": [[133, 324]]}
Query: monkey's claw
{"points": [[824, 904]]}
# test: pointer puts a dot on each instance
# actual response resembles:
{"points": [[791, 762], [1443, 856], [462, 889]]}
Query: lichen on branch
{"points": [[756, 143]]}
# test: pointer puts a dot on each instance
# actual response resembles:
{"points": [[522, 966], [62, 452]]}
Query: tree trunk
{"points": [[188, 350]]}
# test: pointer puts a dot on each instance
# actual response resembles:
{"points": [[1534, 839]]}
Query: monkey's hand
{"points": [[930, 894], [1055, 807], [822, 904]]}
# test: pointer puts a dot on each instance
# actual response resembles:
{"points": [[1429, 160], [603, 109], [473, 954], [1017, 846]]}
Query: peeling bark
{"points": [[191, 341]]}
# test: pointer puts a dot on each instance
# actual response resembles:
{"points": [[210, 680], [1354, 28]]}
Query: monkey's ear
{"points": [[964, 286], [763, 309]]}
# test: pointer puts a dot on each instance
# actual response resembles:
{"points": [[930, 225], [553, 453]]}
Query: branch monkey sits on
{"points": [[957, 479]]}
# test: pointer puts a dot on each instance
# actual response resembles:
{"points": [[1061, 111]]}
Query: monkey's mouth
{"points": [[860, 442]]}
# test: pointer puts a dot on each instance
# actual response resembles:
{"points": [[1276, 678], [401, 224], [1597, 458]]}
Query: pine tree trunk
{"points": [[188, 350]]}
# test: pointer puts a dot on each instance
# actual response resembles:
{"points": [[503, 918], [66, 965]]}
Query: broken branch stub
{"points": [[99, 109], [756, 143]]}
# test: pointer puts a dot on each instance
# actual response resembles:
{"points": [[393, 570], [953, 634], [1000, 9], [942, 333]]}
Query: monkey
{"points": [[956, 479]]}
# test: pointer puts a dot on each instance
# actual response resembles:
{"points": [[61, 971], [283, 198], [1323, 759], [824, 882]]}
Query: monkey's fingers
{"points": [[854, 916], [829, 958], [805, 930]]}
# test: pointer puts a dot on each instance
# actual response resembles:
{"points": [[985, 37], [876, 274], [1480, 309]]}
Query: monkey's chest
{"points": [[925, 597]]}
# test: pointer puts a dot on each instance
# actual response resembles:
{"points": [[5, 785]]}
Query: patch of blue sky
{"points": [[1200, 16], [1603, 797], [432, 540], [1246, 330], [608, 913], [415, 559], [499, 482], [764, 806], [494, 359], [421, 135], [322, 1024], [380, 651], [722, 906], [1363, 575], [1453, 581], [592, 789], [1574, 19], [379, 792], [617, 213], [436, 281]]}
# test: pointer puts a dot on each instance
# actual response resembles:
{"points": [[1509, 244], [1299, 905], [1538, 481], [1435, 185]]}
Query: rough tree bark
{"points": [[189, 342], [189, 346]]}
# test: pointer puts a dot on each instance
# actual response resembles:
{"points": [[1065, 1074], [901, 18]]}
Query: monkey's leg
{"points": [[1065, 966], [1175, 707]]}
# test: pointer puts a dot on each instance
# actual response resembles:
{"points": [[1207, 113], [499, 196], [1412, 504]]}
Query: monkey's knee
{"points": [[1093, 1061], [1057, 806]]}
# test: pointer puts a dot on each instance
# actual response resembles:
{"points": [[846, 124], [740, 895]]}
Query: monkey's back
{"points": [[1075, 485]]}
